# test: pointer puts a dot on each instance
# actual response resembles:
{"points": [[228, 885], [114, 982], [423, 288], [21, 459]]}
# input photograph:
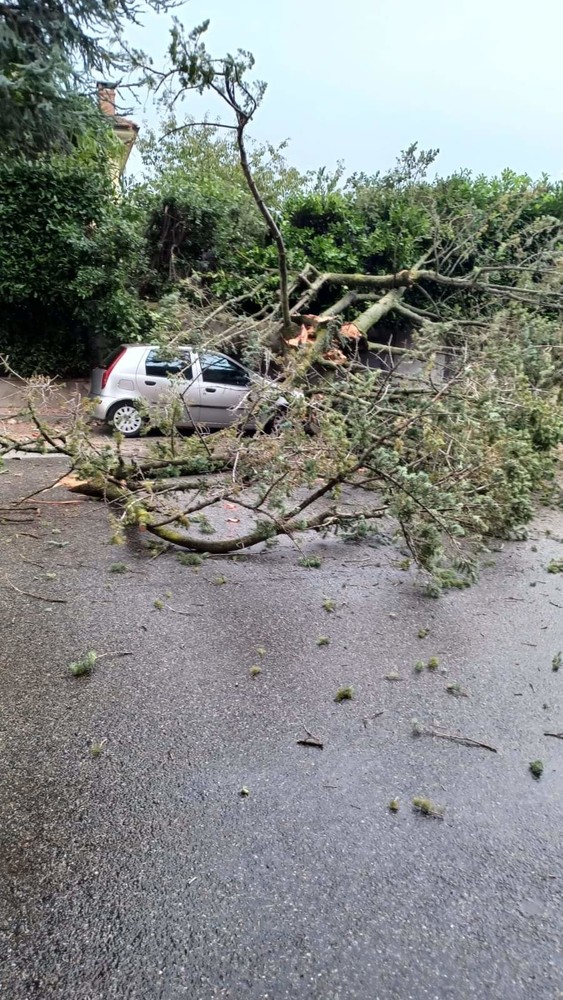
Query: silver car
{"points": [[212, 386]]}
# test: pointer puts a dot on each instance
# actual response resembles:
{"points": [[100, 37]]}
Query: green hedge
{"points": [[69, 257]]}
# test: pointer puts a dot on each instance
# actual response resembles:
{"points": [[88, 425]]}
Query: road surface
{"points": [[142, 873]]}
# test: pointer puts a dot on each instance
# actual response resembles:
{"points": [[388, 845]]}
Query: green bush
{"points": [[69, 256]]}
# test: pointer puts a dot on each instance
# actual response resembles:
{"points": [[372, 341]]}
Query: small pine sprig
{"points": [[428, 808], [344, 694]]}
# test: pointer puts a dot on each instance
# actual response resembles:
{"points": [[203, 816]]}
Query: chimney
{"points": [[106, 98]]}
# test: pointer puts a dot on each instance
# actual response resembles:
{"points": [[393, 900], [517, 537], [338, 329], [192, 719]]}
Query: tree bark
{"points": [[419, 276], [371, 316], [272, 226]]}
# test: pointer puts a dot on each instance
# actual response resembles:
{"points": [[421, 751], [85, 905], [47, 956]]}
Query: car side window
{"points": [[223, 371], [168, 367]]}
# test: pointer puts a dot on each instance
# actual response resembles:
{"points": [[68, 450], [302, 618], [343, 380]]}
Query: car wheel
{"points": [[125, 418]]}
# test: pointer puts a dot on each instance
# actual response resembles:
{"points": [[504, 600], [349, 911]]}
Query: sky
{"points": [[359, 80]]}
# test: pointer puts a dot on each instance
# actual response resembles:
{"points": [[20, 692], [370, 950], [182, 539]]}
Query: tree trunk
{"points": [[274, 230], [371, 316]]}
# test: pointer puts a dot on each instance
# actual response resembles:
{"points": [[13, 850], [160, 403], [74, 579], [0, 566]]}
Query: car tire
{"points": [[125, 418]]}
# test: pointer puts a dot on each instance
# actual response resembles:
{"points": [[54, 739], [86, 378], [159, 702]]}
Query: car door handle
{"points": [[149, 383], [211, 390]]}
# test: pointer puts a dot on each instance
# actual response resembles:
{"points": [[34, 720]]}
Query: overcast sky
{"points": [[359, 80]]}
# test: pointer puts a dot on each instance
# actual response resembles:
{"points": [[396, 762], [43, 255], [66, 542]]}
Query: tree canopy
{"points": [[49, 53]]}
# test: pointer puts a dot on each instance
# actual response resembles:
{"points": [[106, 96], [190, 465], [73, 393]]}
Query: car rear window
{"points": [[113, 356]]}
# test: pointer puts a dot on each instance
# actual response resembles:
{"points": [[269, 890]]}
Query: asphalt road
{"points": [[142, 873]]}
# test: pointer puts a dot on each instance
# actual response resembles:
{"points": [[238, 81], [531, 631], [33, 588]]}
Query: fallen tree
{"points": [[448, 453], [445, 463]]}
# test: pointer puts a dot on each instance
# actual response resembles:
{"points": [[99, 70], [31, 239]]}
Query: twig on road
{"points": [[114, 655], [370, 718], [557, 736], [16, 520], [419, 730], [37, 597], [30, 561], [311, 741]]}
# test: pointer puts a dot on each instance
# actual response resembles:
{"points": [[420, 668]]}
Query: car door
{"points": [[223, 385], [157, 375]]}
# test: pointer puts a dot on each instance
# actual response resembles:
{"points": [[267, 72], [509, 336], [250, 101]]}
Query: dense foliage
{"points": [[201, 219], [69, 256], [49, 53]]}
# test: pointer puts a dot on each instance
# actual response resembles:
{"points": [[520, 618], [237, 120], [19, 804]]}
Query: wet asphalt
{"points": [[142, 873]]}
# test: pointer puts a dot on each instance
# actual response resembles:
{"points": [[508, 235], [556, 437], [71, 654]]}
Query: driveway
{"points": [[132, 867]]}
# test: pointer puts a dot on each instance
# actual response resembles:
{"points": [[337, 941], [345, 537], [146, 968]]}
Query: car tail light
{"points": [[107, 372]]}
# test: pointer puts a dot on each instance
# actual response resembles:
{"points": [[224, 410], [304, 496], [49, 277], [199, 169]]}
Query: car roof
{"points": [[182, 347], [153, 347]]}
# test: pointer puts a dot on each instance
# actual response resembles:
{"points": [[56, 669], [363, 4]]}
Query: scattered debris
{"points": [[83, 667], [419, 666], [189, 559], [328, 604], [420, 730], [344, 694], [423, 632], [244, 792], [428, 808], [323, 640], [97, 748], [56, 544], [255, 670], [261, 650], [118, 567], [557, 736], [311, 741], [158, 604], [433, 663], [370, 718], [393, 675], [557, 661], [536, 767], [456, 690], [310, 562], [393, 806], [205, 526], [37, 597], [555, 566], [219, 581]]}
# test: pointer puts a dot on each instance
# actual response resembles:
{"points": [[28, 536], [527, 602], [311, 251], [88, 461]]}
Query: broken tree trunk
{"points": [[375, 312], [272, 225]]}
